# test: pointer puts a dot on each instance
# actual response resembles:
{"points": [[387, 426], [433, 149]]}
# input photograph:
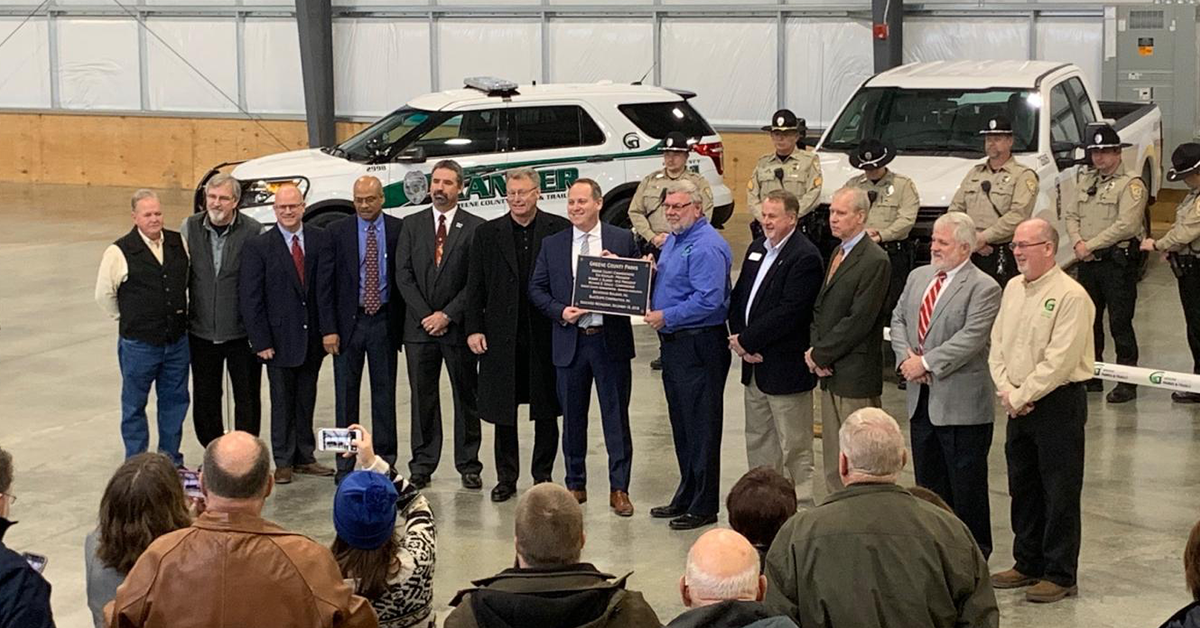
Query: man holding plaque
{"points": [[689, 307], [588, 346]]}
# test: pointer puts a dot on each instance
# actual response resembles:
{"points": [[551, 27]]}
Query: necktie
{"points": [[371, 303], [587, 320], [439, 240], [927, 310], [833, 266], [298, 258]]}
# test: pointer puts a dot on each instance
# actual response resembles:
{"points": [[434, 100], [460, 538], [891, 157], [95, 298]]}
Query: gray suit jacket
{"points": [[956, 345]]}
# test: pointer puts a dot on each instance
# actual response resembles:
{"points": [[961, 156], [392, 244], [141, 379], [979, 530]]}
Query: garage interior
{"points": [[92, 106]]}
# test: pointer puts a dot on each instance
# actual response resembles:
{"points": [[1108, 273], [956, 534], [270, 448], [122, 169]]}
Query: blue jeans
{"points": [[166, 367]]}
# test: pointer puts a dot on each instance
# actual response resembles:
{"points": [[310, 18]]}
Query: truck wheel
{"points": [[616, 213], [721, 215], [327, 217]]}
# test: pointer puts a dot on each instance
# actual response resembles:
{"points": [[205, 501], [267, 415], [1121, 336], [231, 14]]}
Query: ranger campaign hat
{"points": [[872, 154], [997, 125], [677, 141], [785, 120], [1102, 136], [1184, 161]]}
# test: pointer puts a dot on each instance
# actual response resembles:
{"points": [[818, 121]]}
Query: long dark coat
{"points": [[495, 288]]}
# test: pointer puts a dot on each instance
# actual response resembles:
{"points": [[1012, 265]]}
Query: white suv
{"points": [[608, 132]]}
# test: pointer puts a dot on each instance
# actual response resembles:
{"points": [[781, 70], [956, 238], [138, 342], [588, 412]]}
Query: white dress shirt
{"points": [[764, 266], [449, 219], [595, 246], [945, 284]]}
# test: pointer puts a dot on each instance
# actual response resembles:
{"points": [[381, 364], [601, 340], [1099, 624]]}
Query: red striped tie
{"points": [[927, 310]]}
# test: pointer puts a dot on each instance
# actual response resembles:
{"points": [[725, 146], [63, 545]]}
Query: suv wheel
{"points": [[617, 213], [327, 217]]}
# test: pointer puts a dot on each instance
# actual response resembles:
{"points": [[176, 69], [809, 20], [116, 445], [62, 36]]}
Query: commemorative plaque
{"points": [[612, 285]]}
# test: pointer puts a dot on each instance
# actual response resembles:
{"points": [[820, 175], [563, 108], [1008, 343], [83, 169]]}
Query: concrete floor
{"points": [[59, 411]]}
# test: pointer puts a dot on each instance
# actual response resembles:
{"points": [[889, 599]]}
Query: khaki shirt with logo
{"points": [[1012, 197], [1110, 210], [896, 203], [1042, 337], [1183, 236], [801, 174], [647, 218]]}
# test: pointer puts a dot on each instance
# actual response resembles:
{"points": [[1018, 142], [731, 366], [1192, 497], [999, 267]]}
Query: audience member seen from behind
{"points": [[549, 586], [759, 504], [144, 500], [926, 563], [723, 587], [1189, 616], [232, 568], [24, 593], [920, 492], [390, 565]]}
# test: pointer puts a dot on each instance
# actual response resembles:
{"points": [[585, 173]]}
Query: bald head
{"points": [[722, 565], [1034, 244], [368, 197], [236, 466]]}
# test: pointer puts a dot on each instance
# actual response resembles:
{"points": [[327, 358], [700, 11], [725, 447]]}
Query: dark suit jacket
{"points": [[346, 276], [280, 313], [848, 320], [428, 287], [496, 290], [553, 282], [778, 328]]}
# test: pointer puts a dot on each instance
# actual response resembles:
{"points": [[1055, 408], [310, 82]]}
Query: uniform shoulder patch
{"points": [[1032, 184], [1136, 189], [817, 182], [750, 184]]}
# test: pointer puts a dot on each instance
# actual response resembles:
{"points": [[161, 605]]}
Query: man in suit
{"points": [[940, 331], [511, 338], [432, 259], [588, 346], [370, 317], [285, 292], [770, 312], [847, 324]]}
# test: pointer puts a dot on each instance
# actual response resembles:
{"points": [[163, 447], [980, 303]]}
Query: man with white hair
{"points": [[940, 330], [722, 587], [924, 567]]}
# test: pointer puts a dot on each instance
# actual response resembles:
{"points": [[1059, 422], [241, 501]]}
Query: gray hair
{"points": [[529, 174], [141, 195], [222, 179], [859, 201], [683, 186], [706, 586], [962, 227], [872, 443]]}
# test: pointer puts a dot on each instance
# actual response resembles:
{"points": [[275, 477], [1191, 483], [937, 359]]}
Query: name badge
{"points": [[755, 256]]}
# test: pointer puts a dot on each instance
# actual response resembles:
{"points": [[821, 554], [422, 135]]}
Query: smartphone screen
{"points": [[191, 483], [336, 439], [37, 561]]}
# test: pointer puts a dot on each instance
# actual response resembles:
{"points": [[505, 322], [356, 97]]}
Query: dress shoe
{"points": [[1094, 385], [1046, 591], [619, 502], [1185, 397], [315, 468], [503, 492], [691, 522], [1122, 393], [656, 364], [580, 495], [472, 481], [283, 475], [419, 480], [1011, 579], [666, 512]]}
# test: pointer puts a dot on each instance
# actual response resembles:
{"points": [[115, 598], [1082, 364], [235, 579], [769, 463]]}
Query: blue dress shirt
{"points": [[381, 240], [692, 287]]}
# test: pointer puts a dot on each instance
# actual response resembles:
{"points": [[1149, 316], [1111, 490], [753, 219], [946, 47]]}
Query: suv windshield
{"points": [[933, 120], [388, 130], [439, 133]]}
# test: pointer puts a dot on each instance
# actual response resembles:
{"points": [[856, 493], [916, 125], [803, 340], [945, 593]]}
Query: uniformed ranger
{"points": [[1105, 227], [998, 194], [645, 210], [893, 212], [789, 168], [1182, 246]]}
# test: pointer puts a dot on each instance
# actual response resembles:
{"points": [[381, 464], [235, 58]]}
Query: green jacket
{"points": [[872, 555]]}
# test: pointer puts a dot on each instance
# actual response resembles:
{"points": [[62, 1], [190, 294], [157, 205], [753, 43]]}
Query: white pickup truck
{"points": [[932, 113]]}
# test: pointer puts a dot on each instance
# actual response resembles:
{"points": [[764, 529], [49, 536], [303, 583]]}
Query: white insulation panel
{"points": [[98, 64], [379, 64], [25, 65], [210, 47], [826, 61], [585, 51], [273, 79], [730, 64], [1074, 41], [939, 39], [507, 48]]}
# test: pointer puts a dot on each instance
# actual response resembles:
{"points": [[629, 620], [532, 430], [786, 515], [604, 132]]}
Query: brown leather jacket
{"points": [[233, 570]]}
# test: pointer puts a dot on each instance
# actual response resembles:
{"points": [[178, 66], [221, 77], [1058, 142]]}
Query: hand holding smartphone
{"points": [[339, 439]]}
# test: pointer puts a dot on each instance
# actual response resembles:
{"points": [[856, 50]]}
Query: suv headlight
{"points": [[262, 191]]}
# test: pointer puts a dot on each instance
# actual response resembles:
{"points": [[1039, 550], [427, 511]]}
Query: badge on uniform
{"points": [[891, 188], [755, 256]]}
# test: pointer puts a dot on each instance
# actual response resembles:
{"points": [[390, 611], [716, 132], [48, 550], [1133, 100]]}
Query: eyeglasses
{"points": [[520, 193], [12, 499], [1012, 246], [677, 206]]}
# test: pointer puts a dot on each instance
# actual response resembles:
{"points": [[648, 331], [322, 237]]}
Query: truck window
{"points": [[1083, 102], [656, 119], [466, 133], [932, 120], [1065, 128], [558, 126]]}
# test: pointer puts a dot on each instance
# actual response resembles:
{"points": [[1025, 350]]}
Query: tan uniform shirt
{"points": [[1014, 193], [1110, 210], [1042, 337], [895, 208], [114, 270], [1183, 236], [801, 174], [647, 218]]}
